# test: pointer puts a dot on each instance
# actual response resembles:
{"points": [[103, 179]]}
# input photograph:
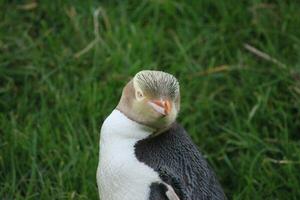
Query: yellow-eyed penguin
{"points": [[145, 154]]}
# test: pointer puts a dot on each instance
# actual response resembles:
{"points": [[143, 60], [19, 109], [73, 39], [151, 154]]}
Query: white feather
{"points": [[120, 176]]}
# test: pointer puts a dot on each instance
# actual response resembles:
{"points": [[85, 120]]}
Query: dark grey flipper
{"points": [[158, 191], [173, 180], [180, 164]]}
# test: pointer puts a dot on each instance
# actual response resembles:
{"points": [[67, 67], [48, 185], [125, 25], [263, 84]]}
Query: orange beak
{"points": [[161, 106]]}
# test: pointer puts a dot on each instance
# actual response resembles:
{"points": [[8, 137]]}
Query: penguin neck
{"points": [[118, 125]]}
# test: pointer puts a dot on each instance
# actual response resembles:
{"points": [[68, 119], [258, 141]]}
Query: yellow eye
{"points": [[139, 95]]}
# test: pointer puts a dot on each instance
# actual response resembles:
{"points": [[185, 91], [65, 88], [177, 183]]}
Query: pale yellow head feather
{"points": [[145, 87]]}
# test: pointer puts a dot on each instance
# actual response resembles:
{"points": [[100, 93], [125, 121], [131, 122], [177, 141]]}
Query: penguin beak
{"points": [[161, 106]]}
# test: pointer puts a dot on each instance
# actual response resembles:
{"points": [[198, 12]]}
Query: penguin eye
{"points": [[139, 95]]}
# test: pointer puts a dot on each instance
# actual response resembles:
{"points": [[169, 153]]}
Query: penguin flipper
{"points": [[170, 193], [162, 191], [171, 180]]}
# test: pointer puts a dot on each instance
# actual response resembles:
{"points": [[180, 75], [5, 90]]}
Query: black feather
{"points": [[180, 164]]}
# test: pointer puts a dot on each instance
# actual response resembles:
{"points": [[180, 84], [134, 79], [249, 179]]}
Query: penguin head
{"points": [[151, 98]]}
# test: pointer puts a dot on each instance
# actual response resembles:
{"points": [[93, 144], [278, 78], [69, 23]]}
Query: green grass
{"points": [[245, 118]]}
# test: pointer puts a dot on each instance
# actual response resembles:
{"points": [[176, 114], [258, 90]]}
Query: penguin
{"points": [[145, 154]]}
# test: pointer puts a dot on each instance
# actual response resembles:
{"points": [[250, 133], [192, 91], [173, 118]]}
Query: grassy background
{"points": [[242, 111]]}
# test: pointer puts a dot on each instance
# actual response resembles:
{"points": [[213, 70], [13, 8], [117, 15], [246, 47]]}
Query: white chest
{"points": [[120, 176]]}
